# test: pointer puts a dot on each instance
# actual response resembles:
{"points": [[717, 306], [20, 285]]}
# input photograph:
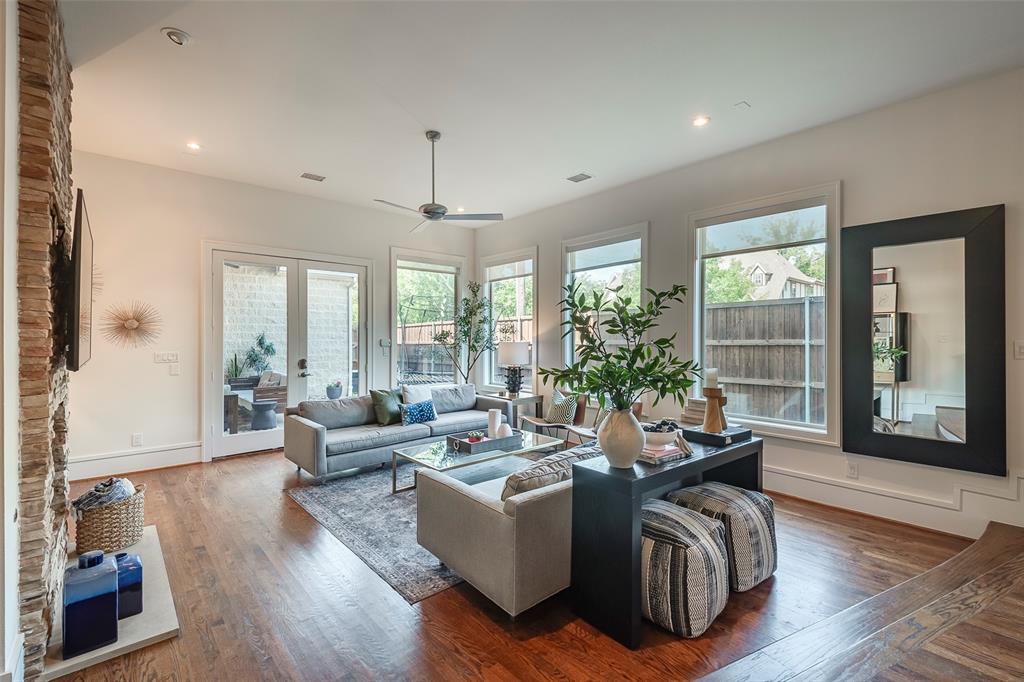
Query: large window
{"points": [[508, 282], [763, 304], [612, 264], [425, 299]]}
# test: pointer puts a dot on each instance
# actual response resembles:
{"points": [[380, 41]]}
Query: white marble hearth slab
{"points": [[158, 620]]}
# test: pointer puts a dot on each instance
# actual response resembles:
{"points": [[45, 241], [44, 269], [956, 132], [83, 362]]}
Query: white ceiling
{"points": [[525, 94]]}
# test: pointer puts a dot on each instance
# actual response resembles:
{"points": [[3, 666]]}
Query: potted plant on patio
{"points": [[334, 390], [618, 362]]}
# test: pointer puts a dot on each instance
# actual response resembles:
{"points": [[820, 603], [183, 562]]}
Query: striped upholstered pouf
{"points": [[684, 573], [749, 519]]}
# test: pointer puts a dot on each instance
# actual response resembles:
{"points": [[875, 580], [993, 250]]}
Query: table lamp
{"points": [[512, 355]]}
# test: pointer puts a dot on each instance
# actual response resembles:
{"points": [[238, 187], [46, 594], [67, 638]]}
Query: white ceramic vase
{"points": [[493, 422], [621, 438]]}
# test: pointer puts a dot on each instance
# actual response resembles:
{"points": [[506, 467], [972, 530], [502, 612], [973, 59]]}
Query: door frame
{"points": [[211, 384]]}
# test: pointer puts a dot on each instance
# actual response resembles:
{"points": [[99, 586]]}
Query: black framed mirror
{"points": [[924, 340]]}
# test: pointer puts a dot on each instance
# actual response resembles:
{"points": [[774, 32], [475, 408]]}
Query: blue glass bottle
{"points": [[129, 585], [90, 604]]}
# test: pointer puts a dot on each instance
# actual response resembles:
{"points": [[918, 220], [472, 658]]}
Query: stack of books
{"points": [[662, 454]]}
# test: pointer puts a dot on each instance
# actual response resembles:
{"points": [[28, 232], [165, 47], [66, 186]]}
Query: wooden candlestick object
{"points": [[714, 415]]}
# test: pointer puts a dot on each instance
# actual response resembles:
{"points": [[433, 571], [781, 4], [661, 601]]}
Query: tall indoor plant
{"points": [[617, 362], [472, 332]]}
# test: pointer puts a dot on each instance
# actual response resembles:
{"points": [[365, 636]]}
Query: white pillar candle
{"points": [[711, 378]]}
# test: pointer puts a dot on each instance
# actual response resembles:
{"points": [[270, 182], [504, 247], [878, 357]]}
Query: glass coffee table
{"points": [[439, 457]]}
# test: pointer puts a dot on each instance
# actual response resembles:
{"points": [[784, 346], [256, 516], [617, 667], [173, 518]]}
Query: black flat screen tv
{"points": [[80, 328]]}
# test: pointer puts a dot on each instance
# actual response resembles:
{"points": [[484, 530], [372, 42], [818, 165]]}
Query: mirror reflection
{"points": [[917, 335]]}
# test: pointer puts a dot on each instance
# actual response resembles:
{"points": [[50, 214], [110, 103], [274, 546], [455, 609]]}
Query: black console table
{"points": [[606, 526]]}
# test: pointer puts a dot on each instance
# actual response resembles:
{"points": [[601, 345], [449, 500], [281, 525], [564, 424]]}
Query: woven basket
{"points": [[112, 527]]}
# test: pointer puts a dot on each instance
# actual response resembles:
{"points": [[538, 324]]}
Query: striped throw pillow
{"points": [[563, 408]]}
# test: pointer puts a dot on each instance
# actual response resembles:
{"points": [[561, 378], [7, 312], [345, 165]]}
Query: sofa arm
{"points": [[543, 538], [486, 402], [468, 531], [305, 443]]}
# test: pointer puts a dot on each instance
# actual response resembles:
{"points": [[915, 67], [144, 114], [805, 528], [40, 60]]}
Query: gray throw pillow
{"points": [[417, 393], [549, 470], [339, 414], [454, 398]]}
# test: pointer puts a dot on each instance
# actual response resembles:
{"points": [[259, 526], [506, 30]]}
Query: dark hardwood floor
{"points": [[263, 592]]}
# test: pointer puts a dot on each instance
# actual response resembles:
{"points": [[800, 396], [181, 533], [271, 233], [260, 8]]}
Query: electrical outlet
{"points": [[137, 440], [174, 369], [1018, 350], [851, 469]]}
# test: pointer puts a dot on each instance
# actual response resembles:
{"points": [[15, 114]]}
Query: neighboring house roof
{"points": [[778, 271]]}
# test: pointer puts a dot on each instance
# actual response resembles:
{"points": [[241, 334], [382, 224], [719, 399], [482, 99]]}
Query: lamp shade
{"points": [[513, 353]]}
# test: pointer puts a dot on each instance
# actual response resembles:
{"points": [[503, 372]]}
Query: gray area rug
{"points": [[380, 528]]}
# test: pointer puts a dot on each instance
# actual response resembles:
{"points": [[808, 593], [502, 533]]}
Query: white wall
{"points": [[949, 150], [148, 224]]}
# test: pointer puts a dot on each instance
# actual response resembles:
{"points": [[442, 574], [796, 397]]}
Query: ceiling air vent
{"points": [[579, 177], [313, 176]]}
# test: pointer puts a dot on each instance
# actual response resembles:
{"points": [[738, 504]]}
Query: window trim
{"points": [[830, 195], [483, 369], [637, 230], [417, 255]]}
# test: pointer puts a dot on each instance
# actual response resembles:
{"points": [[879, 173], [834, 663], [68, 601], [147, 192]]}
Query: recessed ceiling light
{"points": [[177, 36], [700, 120], [194, 146], [579, 177], [460, 209]]}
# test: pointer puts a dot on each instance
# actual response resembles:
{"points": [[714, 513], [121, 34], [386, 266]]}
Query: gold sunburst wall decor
{"points": [[132, 324]]}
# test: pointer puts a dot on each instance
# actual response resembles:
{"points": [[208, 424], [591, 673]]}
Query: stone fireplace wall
{"points": [[44, 239]]}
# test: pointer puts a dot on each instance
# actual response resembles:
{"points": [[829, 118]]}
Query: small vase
{"points": [[333, 392], [493, 422], [621, 439]]}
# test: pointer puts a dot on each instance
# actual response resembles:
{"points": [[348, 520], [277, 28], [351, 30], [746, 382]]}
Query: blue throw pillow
{"points": [[417, 413]]}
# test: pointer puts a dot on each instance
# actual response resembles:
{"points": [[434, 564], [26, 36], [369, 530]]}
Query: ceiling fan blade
{"points": [[474, 216], [389, 203], [419, 228]]}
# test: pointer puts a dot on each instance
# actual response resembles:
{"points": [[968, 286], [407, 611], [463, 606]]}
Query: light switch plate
{"points": [[1018, 350]]}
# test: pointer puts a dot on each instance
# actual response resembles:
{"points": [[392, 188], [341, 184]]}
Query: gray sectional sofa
{"points": [[325, 437]]}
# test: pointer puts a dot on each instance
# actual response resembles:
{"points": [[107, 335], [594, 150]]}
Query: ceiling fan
{"points": [[434, 211]]}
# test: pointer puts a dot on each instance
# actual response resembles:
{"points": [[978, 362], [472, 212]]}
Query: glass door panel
{"points": [[255, 340], [332, 302]]}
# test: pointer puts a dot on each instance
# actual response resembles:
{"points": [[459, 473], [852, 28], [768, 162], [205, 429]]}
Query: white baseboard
{"points": [[14, 666], [136, 459]]}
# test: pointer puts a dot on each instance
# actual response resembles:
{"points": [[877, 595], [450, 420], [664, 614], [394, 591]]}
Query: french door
{"points": [[283, 330]]}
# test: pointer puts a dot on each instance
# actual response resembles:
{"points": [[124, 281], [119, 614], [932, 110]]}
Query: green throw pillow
{"points": [[386, 404]]}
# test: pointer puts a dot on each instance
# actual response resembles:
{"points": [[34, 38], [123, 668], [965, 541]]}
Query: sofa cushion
{"points": [[355, 438], [417, 393], [454, 398], [548, 470], [339, 414], [387, 405], [453, 422]]}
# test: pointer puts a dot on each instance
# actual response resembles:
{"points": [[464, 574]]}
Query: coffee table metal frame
{"points": [[439, 457]]}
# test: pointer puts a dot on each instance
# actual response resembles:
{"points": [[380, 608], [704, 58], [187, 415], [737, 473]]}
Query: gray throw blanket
{"points": [[107, 492]]}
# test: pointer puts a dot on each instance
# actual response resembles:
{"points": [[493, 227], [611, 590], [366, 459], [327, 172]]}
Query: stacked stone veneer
{"points": [[44, 207]]}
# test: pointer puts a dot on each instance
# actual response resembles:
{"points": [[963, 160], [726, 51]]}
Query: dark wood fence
{"points": [[770, 355]]}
